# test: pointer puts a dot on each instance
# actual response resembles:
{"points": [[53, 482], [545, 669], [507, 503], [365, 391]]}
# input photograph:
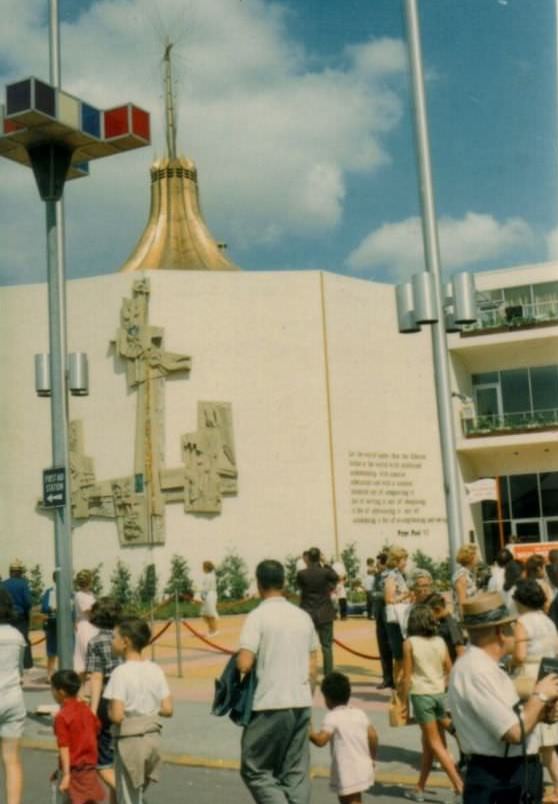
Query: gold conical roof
{"points": [[176, 236]]}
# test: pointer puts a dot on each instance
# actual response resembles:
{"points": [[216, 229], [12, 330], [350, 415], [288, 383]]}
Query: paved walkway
{"points": [[194, 737]]}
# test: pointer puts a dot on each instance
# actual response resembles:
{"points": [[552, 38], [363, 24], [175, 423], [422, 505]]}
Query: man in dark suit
{"points": [[316, 583]]}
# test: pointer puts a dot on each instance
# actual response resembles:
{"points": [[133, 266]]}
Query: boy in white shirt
{"points": [[138, 693], [354, 741]]}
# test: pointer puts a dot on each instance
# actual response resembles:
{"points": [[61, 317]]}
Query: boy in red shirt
{"points": [[76, 728]]}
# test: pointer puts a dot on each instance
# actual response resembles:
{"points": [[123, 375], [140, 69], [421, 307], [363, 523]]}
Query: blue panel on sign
{"points": [[18, 97], [81, 167], [90, 120]]}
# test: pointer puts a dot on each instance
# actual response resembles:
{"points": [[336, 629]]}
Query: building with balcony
{"points": [[505, 384]]}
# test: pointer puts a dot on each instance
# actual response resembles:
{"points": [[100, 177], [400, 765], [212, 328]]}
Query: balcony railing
{"points": [[514, 316], [526, 421]]}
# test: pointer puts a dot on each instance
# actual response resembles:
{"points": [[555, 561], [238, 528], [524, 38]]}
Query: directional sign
{"points": [[54, 487]]}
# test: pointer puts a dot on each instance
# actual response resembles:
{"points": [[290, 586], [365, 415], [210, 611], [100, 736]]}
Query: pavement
{"points": [[196, 743]]}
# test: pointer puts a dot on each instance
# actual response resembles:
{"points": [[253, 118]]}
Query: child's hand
{"points": [[65, 783]]}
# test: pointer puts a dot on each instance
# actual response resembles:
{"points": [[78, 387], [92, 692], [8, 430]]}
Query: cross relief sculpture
{"points": [[137, 502]]}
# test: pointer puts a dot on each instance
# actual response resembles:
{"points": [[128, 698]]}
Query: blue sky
{"points": [[298, 116]]}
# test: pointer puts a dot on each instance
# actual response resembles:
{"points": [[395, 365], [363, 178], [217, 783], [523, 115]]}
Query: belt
{"points": [[503, 762]]}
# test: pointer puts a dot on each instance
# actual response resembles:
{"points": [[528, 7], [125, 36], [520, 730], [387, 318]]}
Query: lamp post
{"points": [[56, 135], [424, 301]]}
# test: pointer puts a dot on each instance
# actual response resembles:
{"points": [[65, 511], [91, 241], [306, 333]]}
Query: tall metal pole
{"points": [[432, 259], [59, 395]]}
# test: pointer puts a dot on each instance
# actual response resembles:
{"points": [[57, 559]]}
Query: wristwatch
{"points": [[542, 697]]}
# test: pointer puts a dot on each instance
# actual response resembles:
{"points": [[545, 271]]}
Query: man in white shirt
{"points": [[280, 641], [486, 710]]}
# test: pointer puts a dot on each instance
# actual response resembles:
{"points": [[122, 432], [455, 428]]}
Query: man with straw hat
{"points": [[493, 727]]}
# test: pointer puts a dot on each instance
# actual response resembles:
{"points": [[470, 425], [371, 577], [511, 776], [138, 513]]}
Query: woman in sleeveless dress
{"points": [[463, 579], [426, 667], [535, 638]]}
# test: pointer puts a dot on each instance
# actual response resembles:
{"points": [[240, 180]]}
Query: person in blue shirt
{"points": [[17, 586]]}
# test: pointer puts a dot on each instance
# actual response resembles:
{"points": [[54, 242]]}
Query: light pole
{"points": [[427, 292], [57, 153]]}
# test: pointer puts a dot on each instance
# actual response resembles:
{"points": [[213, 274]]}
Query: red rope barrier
{"points": [[161, 632], [38, 642], [207, 641], [356, 652]]}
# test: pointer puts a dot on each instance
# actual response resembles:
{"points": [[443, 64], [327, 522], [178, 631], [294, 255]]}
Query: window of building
{"points": [[524, 495], [544, 387], [516, 397], [549, 493]]}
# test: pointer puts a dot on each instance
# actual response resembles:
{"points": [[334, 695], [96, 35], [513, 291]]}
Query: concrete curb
{"points": [[191, 761]]}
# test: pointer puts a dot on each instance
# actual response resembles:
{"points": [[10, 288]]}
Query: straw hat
{"points": [[485, 610], [17, 565]]}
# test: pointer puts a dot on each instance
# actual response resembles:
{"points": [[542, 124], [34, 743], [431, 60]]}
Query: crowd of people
{"points": [[469, 667]]}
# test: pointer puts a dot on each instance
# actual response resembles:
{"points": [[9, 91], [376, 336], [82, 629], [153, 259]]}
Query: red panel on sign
{"points": [[11, 125], [116, 122], [140, 123]]}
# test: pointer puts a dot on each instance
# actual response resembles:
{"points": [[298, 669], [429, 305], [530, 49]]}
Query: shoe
{"points": [[382, 685], [457, 798], [416, 795]]}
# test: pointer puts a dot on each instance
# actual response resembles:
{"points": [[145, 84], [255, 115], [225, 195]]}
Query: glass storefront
{"points": [[529, 511]]}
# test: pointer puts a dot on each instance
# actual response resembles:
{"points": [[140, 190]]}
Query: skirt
{"points": [[209, 606]]}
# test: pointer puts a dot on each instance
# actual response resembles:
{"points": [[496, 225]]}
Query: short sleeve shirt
{"points": [[351, 765], [100, 658], [282, 636], [12, 646], [76, 728], [481, 698], [141, 686]]}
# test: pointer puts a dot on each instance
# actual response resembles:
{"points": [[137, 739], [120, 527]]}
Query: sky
{"points": [[298, 116]]}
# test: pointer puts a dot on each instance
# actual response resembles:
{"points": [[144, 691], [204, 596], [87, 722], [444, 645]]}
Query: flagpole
{"points": [[499, 512]]}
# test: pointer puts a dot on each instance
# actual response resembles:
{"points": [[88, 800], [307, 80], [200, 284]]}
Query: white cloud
{"points": [[274, 137], [382, 56], [397, 247]]}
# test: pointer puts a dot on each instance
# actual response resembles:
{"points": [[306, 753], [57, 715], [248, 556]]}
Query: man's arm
{"points": [[96, 688], [372, 742], [245, 660], [166, 708], [320, 738], [64, 754], [313, 669], [116, 711], [533, 708]]}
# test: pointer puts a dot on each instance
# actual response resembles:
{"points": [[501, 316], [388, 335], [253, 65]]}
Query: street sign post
{"points": [[54, 487]]}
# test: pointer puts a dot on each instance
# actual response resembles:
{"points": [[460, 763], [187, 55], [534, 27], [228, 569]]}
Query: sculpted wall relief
{"points": [[209, 472]]}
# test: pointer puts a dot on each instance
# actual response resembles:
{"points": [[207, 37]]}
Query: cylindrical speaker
{"points": [[42, 375], [78, 374], [425, 298], [405, 308], [464, 298]]}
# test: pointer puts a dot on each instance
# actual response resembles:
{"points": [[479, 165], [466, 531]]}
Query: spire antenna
{"points": [[169, 102]]}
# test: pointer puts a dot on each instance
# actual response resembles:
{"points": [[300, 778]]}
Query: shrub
{"points": [[147, 585], [179, 581], [290, 574], [121, 584], [351, 561], [97, 583], [232, 577], [440, 570], [36, 584]]}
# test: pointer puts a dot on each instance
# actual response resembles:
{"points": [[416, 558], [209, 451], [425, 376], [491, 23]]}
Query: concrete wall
{"points": [[315, 370]]}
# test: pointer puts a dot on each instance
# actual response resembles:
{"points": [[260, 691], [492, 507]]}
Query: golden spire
{"points": [[176, 236]]}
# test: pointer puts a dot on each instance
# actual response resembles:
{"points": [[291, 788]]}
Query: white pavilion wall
{"points": [[259, 341]]}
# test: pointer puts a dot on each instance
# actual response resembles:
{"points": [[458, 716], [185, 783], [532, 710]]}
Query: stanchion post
{"points": [[178, 626]]}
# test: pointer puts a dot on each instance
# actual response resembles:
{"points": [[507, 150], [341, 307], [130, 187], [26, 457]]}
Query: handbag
{"points": [[398, 713]]}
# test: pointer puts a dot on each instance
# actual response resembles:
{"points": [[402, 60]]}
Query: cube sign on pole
{"points": [[37, 113]]}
